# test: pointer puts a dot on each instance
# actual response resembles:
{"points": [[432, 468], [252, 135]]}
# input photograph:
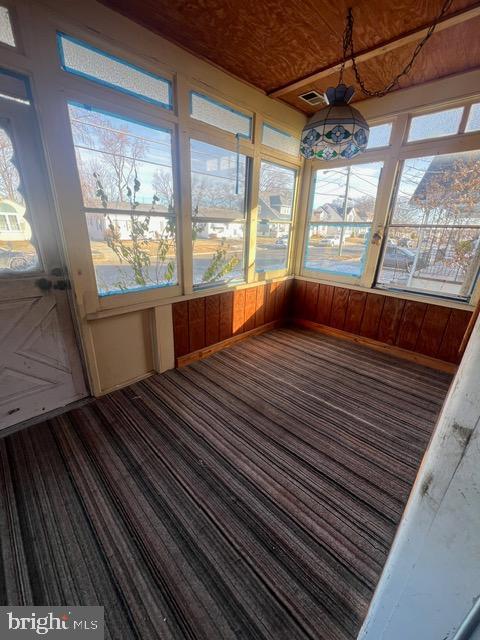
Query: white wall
{"points": [[432, 576]]}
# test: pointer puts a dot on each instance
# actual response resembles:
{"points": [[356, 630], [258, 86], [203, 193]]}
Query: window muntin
{"points": [[280, 140], [125, 172], [473, 122], [433, 241], [341, 215], [6, 29], [379, 136], [219, 198], [84, 60], [435, 125], [219, 115], [18, 252], [274, 220]]}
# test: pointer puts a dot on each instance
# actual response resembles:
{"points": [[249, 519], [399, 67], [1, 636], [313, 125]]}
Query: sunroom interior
{"points": [[239, 378]]}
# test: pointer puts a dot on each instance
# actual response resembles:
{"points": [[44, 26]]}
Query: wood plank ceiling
{"points": [[272, 43]]}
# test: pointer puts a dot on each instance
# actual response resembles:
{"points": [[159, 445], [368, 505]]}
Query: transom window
{"points": [[341, 216], [219, 201], [274, 221], [220, 115], [125, 171], [6, 29], [433, 240], [82, 59]]}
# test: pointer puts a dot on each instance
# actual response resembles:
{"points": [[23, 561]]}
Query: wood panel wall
{"points": [[202, 322], [428, 329]]}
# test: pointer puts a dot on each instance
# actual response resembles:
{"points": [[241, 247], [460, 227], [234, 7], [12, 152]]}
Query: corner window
{"points": [[433, 240], [125, 171], [274, 221], [340, 220], [219, 199]]}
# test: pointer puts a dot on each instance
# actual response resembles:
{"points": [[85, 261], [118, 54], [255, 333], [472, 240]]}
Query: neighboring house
{"points": [[220, 228], [13, 226], [331, 214], [273, 208], [97, 222]]}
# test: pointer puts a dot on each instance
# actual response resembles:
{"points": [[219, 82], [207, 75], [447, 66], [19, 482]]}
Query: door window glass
{"points": [[17, 249]]}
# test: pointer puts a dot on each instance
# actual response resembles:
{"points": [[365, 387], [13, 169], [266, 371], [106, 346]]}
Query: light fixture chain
{"points": [[348, 48]]}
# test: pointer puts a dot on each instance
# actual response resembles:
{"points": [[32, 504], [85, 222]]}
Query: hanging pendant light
{"points": [[338, 130]]}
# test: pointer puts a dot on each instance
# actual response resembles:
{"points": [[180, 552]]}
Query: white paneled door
{"points": [[40, 367]]}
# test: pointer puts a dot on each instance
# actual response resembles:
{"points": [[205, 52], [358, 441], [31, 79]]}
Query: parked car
{"points": [[330, 241], [280, 243], [400, 258], [13, 260]]}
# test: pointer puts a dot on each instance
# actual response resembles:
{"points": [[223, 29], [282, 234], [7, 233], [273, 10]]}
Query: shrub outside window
{"points": [[125, 172], [219, 199]]}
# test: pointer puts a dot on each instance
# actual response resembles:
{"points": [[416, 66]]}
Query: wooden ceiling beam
{"points": [[453, 19]]}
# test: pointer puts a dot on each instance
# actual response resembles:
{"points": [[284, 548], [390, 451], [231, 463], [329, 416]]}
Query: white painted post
{"points": [[432, 575]]}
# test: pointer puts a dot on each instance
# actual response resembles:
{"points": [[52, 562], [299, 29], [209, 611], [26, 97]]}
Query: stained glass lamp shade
{"points": [[338, 130]]}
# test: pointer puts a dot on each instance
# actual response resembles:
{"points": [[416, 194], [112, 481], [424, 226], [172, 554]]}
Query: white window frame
{"points": [[393, 157]]}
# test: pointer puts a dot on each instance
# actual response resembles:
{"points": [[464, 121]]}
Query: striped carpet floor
{"points": [[253, 495]]}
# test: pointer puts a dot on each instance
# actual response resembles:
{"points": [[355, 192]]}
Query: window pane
{"points": [[442, 189], [6, 31], [82, 59], [337, 249], [379, 136], [113, 152], [125, 171], [17, 249], [272, 246], [433, 241], [220, 115], [473, 123], [280, 140], [218, 252], [276, 191], [442, 261], [132, 251], [346, 194], [435, 125], [218, 182]]}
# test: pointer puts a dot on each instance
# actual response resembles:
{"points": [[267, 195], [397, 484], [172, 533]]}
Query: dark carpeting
{"points": [[253, 495]]}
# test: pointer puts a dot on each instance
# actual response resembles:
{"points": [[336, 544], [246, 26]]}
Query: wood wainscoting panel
{"points": [[203, 325], [410, 324], [406, 325], [356, 306]]}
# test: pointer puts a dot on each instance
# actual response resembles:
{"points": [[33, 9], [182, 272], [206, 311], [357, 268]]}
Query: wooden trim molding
{"points": [[201, 354], [398, 352]]}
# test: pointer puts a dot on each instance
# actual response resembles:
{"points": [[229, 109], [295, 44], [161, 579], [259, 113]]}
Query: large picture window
{"points": [[341, 216], [275, 207], [433, 240], [219, 204], [125, 171]]}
